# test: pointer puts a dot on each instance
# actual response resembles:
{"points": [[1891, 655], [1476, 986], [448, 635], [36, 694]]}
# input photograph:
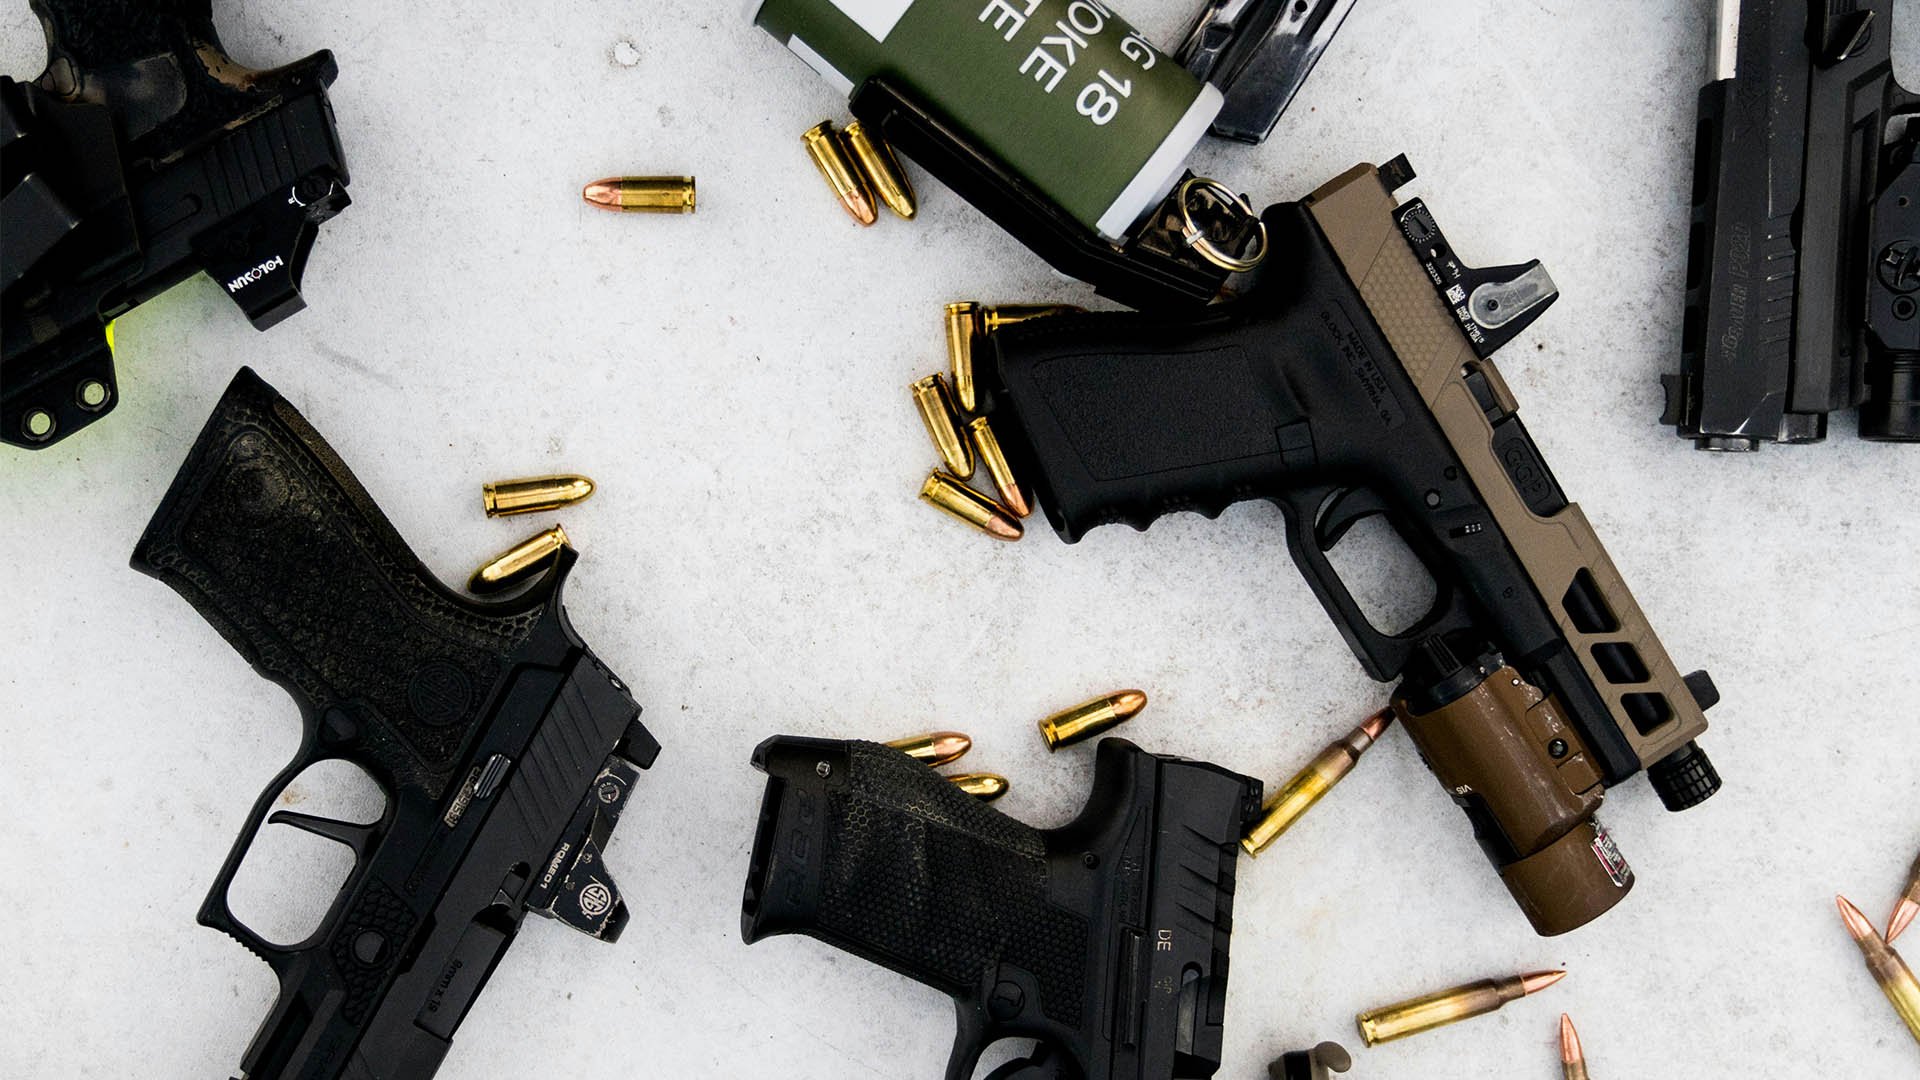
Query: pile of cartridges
{"points": [[963, 438]]}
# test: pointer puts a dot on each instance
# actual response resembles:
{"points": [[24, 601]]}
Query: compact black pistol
{"points": [[505, 748], [1105, 940], [1352, 380], [140, 156], [1803, 260]]}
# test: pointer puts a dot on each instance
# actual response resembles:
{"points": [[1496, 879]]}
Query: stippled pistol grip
{"points": [[873, 852], [275, 543]]}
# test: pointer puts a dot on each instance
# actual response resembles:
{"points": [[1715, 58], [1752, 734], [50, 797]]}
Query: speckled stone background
{"points": [[756, 563]]}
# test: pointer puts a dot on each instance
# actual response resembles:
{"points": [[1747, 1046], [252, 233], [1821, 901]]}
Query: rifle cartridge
{"points": [[1908, 907], [1449, 1006], [1888, 970], [1298, 795], [1573, 1058]]}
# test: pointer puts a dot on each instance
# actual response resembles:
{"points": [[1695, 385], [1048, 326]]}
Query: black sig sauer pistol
{"points": [[1104, 940], [141, 155], [504, 747], [1803, 263]]}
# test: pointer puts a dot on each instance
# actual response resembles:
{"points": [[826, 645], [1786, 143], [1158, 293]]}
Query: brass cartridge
{"points": [[830, 157], [1090, 718], [503, 498], [1573, 1058], [1298, 795], [518, 563], [1888, 970], [961, 320], [642, 194], [1005, 315], [881, 169], [934, 748], [984, 786], [970, 506], [1449, 1006], [1908, 907], [935, 405], [986, 447]]}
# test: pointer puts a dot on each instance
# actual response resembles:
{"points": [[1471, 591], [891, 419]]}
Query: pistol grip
{"points": [[269, 536], [872, 852], [1127, 417]]}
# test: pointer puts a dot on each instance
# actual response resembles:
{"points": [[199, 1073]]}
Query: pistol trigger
{"points": [[1043, 1064], [1842, 34], [1343, 511], [360, 838]]}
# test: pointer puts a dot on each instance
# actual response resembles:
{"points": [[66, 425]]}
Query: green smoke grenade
{"points": [[1063, 92]]}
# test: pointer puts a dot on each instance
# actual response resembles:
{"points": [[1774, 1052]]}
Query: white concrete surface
{"points": [[756, 563]]}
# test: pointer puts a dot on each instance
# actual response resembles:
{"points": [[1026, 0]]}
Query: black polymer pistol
{"points": [[1803, 262], [142, 155], [504, 747], [1105, 939], [1350, 379]]}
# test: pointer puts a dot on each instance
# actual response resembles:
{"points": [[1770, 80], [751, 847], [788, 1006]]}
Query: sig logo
{"points": [[595, 900], [439, 693]]}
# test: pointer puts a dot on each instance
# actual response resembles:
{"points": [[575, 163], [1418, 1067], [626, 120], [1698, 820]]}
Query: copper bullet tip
{"points": [[1128, 703], [935, 748], [860, 207], [602, 193], [1903, 914], [1857, 924], [1570, 1051], [1535, 981], [1377, 723]]}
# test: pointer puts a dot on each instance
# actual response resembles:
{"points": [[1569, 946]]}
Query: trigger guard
{"points": [[1040, 1065], [1341, 512]]}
